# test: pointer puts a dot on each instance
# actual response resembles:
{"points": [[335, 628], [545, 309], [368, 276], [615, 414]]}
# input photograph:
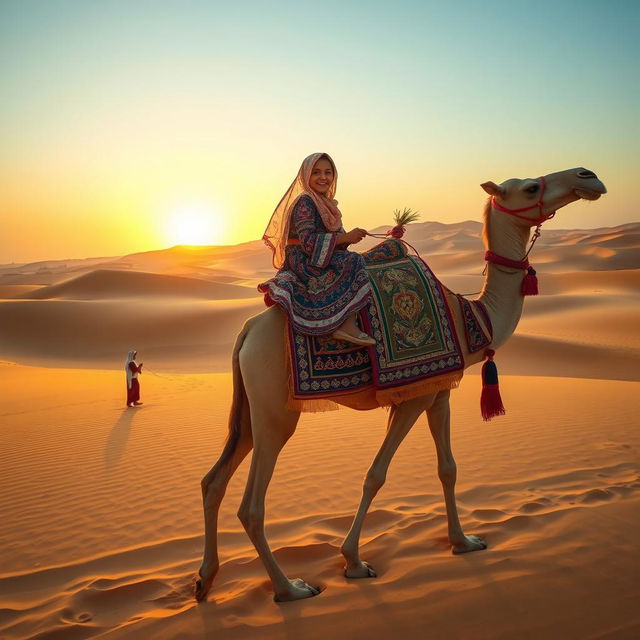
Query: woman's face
{"points": [[321, 176]]}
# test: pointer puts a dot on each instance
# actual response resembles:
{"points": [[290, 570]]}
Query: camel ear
{"points": [[492, 188]]}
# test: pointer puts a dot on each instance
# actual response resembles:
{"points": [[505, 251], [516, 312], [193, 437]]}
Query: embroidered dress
{"points": [[320, 284]]}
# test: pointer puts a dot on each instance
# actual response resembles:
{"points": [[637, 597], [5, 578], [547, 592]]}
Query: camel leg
{"points": [[214, 484], [270, 433], [401, 419], [439, 416]]}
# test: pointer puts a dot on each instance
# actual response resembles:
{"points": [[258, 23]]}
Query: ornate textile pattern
{"points": [[477, 336], [325, 367], [410, 320], [385, 252], [409, 317]]}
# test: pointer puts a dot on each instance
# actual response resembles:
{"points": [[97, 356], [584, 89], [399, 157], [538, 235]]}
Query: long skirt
{"points": [[318, 300], [133, 394]]}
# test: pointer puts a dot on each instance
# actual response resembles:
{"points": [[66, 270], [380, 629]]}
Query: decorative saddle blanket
{"points": [[415, 337], [478, 333]]}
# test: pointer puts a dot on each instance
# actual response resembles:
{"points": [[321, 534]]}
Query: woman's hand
{"points": [[352, 237]]}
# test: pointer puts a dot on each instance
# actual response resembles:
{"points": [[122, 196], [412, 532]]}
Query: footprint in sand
{"points": [[596, 495], [68, 615], [531, 507]]}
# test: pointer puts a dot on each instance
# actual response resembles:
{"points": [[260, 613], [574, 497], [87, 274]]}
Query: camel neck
{"points": [[501, 293]]}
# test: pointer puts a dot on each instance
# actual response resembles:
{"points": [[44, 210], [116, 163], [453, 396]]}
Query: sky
{"points": [[141, 124]]}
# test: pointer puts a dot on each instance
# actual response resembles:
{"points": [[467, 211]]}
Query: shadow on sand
{"points": [[117, 440]]}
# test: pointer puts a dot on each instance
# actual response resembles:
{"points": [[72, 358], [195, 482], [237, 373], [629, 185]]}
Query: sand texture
{"points": [[102, 526], [102, 530]]}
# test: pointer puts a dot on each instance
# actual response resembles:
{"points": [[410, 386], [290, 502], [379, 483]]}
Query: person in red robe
{"points": [[132, 369]]}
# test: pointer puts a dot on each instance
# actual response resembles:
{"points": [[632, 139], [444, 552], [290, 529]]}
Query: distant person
{"points": [[133, 386], [320, 284]]}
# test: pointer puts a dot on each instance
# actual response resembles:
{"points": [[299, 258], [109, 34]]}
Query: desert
{"points": [[102, 517]]}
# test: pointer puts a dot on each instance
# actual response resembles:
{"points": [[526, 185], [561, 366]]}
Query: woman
{"points": [[320, 285], [133, 386]]}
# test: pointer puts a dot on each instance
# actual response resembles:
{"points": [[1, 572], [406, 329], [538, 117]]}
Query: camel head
{"points": [[535, 199]]}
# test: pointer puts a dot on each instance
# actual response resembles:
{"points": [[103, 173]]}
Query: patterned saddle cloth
{"points": [[416, 340]]}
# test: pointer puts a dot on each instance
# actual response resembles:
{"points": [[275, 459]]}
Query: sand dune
{"points": [[9, 291], [584, 324], [192, 334], [448, 248], [105, 284], [545, 489]]}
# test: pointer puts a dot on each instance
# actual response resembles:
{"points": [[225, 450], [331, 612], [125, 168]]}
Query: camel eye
{"points": [[532, 189]]}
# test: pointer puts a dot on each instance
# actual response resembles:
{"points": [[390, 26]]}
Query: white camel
{"points": [[260, 420]]}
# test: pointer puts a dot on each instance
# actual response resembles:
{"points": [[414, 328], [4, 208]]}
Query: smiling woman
{"points": [[195, 225]]}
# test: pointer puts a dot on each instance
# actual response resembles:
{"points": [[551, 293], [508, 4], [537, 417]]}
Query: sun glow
{"points": [[195, 225]]}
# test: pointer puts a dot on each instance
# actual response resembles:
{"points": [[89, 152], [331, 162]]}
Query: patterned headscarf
{"points": [[277, 231]]}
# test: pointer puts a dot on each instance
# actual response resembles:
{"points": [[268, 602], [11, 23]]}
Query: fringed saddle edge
{"points": [[376, 398], [396, 395]]}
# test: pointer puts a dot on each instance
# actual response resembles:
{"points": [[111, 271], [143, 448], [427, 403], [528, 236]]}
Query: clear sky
{"points": [[139, 124]]}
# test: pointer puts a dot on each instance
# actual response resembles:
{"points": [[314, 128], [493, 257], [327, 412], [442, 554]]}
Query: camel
{"points": [[260, 420]]}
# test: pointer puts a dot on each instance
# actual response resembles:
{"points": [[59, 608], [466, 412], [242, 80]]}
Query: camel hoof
{"points": [[364, 570], [298, 590], [470, 543], [201, 587]]}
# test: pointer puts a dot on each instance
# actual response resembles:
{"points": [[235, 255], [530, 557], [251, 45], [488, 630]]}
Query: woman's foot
{"points": [[350, 331], [137, 404], [359, 338]]}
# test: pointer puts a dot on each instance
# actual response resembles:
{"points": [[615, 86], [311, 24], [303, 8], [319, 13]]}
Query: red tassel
{"points": [[490, 401], [530, 283]]}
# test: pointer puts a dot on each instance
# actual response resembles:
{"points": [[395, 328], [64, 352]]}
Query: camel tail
{"points": [[239, 402]]}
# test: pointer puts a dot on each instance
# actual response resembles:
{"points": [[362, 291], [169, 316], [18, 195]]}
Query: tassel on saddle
{"points": [[490, 401]]}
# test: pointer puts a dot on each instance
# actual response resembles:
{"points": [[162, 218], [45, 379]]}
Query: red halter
{"points": [[529, 282], [538, 205]]}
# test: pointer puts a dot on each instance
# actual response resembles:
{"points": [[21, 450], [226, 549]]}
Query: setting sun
{"points": [[195, 225]]}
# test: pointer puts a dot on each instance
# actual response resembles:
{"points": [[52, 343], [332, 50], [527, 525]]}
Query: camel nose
{"points": [[585, 173]]}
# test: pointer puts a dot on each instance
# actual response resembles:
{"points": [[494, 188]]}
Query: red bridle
{"points": [[529, 282], [538, 205]]}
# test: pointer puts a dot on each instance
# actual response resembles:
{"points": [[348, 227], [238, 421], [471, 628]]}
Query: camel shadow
{"points": [[117, 439]]}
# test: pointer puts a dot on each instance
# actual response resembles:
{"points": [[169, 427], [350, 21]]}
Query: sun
{"points": [[195, 224]]}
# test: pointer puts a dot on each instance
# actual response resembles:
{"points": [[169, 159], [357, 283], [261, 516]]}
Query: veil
{"points": [[277, 231]]}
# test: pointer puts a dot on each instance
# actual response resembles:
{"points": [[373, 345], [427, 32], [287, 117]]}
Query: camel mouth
{"points": [[587, 194]]}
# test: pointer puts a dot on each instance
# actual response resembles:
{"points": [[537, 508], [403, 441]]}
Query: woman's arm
{"points": [[318, 245]]}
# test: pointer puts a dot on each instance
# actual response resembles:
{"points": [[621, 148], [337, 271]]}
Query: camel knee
{"points": [[447, 472], [213, 484], [374, 480], [252, 520]]}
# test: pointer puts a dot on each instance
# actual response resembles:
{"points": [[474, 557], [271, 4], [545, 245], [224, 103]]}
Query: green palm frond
{"points": [[405, 216]]}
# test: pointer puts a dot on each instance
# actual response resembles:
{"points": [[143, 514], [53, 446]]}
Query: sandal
{"points": [[362, 338]]}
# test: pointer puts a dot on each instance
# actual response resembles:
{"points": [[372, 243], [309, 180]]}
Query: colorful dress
{"points": [[320, 283]]}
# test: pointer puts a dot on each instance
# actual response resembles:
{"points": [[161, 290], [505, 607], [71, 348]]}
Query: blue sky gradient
{"points": [[117, 114]]}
